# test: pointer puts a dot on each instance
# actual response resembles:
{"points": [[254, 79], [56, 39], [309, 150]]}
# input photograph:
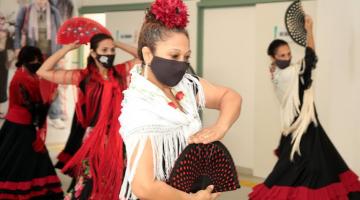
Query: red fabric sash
{"points": [[104, 147]]}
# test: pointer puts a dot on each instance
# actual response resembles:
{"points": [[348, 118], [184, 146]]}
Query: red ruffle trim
{"points": [[337, 191], [31, 194], [28, 185]]}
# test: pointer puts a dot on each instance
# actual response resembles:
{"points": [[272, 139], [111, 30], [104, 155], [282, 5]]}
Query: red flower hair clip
{"points": [[173, 13]]}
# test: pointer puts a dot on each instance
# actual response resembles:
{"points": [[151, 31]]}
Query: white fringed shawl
{"points": [[286, 84], [147, 115]]}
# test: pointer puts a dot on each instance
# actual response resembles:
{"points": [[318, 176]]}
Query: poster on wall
{"points": [[280, 32], [8, 11], [7, 34], [10, 8], [127, 37], [66, 8]]}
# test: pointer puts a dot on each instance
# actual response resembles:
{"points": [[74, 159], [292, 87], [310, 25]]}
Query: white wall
{"points": [[125, 22], [229, 59], [338, 47], [337, 77], [192, 28]]}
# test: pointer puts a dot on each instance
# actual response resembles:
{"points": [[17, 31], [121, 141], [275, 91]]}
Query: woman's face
{"points": [[176, 46], [283, 53], [105, 47]]}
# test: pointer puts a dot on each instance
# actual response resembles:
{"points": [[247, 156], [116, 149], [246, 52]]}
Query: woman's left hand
{"points": [[72, 46], [208, 135], [87, 133]]}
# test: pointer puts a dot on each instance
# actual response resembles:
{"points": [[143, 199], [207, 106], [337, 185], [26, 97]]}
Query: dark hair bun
{"points": [[29, 54], [274, 45]]}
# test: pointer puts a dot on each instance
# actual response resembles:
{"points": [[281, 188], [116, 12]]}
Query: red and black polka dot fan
{"points": [[79, 28], [201, 165]]}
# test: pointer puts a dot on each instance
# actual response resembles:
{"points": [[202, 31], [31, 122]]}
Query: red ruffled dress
{"points": [[26, 171]]}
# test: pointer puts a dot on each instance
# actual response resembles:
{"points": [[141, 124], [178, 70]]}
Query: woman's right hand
{"points": [[205, 194], [72, 46], [87, 133]]}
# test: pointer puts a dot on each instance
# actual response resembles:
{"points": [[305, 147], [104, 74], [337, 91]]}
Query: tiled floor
{"points": [[241, 194]]}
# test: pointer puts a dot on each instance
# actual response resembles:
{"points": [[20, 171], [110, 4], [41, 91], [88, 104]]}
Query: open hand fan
{"points": [[201, 165], [295, 22], [79, 28]]}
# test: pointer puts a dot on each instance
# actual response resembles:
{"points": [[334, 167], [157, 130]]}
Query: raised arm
{"points": [[59, 76], [309, 32], [228, 102], [127, 48], [131, 50], [310, 54], [146, 187]]}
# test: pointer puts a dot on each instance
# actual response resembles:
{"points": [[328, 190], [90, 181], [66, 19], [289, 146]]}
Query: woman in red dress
{"points": [[26, 171], [98, 163]]}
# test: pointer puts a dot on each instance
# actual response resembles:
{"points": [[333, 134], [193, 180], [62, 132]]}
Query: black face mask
{"points": [[168, 72], [32, 67], [282, 64], [106, 60]]}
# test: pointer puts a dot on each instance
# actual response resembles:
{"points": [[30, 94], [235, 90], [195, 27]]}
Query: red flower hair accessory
{"points": [[172, 13]]}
